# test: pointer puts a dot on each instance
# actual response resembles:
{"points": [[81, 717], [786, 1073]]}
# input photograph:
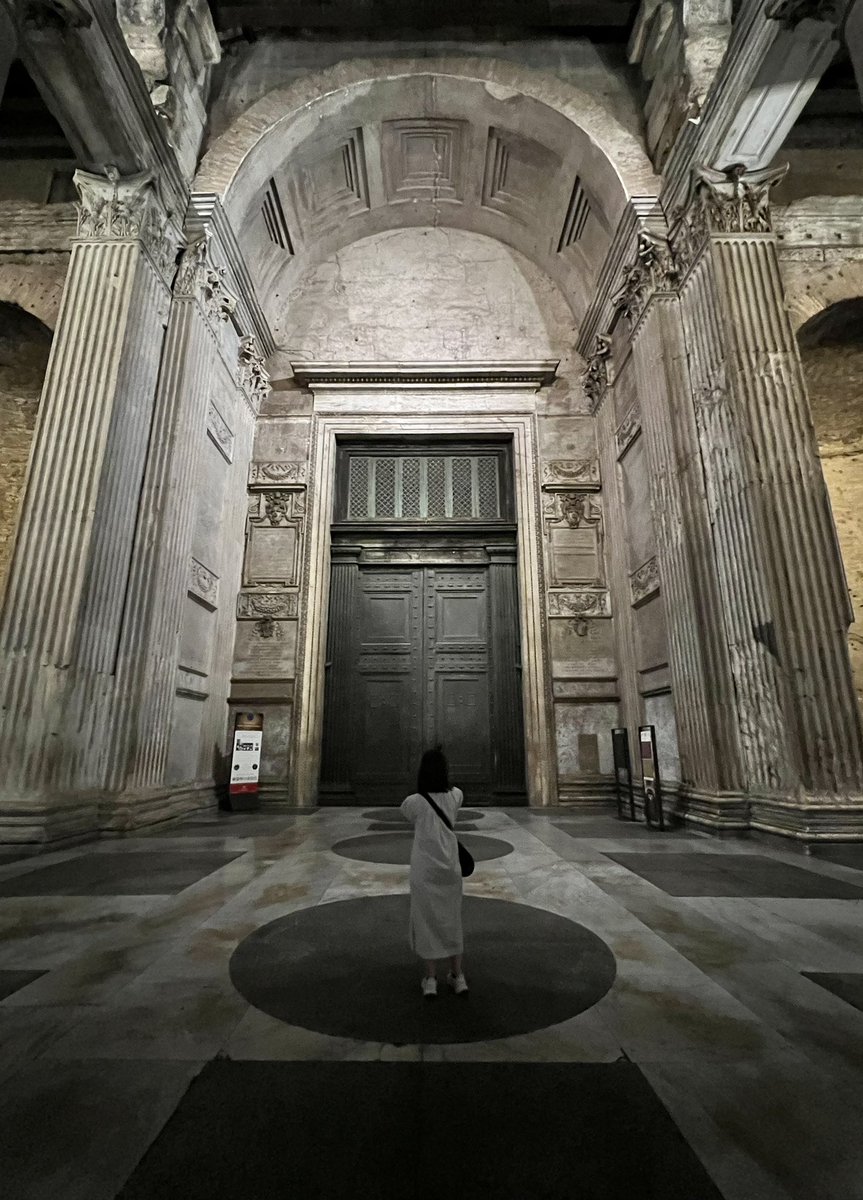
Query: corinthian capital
{"points": [[595, 378], [736, 200], [114, 208], [726, 202], [654, 270], [251, 372], [199, 279]]}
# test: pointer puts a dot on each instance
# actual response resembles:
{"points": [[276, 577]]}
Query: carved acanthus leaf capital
{"points": [[198, 278], [654, 270], [595, 378], [251, 372], [114, 208], [730, 201]]}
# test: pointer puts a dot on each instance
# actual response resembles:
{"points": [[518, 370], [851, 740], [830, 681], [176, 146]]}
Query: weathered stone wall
{"points": [[24, 346], [832, 351], [421, 295], [248, 72]]}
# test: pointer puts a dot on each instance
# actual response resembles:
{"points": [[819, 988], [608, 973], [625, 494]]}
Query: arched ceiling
{"points": [[470, 144]]}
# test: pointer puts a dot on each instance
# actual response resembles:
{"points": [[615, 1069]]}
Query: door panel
{"points": [[462, 704], [457, 682], [411, 666], [387, 676]]}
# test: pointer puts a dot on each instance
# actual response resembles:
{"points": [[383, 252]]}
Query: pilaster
{"points": [[201, 340], [598, 386], [62, 625]]}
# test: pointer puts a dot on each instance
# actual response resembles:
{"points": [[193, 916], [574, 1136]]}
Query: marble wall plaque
{"points": [[271, 556], [265, 649], [574, 555]]}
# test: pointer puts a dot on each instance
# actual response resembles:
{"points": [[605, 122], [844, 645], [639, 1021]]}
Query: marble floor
{"points": [[228, 1008]]}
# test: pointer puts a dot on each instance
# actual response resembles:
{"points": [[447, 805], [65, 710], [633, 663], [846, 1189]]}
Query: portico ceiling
{"points": [[368, 147], [611, 17]]}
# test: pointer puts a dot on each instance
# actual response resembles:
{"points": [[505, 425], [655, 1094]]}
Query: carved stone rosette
{"points": [[112, 208], [595, 379], [732, 201]]}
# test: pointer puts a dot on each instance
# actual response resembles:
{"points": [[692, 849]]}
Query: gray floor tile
{"points": [[711, 874], [119, 874]]}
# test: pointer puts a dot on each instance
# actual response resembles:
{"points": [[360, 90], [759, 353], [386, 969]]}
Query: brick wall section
{"points": [[24, 346], [834, 376]]}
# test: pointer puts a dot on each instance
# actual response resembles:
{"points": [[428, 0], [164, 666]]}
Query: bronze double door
{"points": [[419, 655]]}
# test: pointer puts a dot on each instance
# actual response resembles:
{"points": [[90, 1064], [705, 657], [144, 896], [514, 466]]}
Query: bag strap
{"points": [[439, 811]]}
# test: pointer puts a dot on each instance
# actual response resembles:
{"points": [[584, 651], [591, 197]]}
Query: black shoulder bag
{"points": [[465, 858]]}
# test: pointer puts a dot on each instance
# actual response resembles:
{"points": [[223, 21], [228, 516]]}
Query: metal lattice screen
{"points": [[452, 487]]}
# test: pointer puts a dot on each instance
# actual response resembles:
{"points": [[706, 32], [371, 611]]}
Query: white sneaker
{"points": [[458, 983], [429, 988]]}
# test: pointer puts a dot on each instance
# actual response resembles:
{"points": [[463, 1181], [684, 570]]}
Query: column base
{"points": [[714, 812], [806, 818], [40, 819], [809, 818], [128, 812]]}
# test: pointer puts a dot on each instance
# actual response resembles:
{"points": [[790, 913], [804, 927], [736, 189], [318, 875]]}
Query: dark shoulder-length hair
{"points": [[433, 775]]}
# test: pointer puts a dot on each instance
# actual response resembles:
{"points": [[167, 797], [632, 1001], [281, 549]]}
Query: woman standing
{"points": [[436, 888]]}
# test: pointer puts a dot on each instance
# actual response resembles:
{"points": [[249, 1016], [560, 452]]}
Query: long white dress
{"points": [[436, 886]]}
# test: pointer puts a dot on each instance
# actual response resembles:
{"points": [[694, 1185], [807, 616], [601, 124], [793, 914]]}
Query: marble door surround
{"points": [[478, 400]]}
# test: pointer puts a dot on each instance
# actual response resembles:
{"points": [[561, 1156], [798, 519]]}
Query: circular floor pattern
{"points": [[345, 969], [394, 815], [396, 847]]}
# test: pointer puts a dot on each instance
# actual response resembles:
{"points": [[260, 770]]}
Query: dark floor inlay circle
{"points": [[396, 847], [395, 815], [345, 969]]}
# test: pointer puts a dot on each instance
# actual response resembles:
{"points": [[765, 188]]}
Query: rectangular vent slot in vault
{"points": [[274, 218], [577, 213]]}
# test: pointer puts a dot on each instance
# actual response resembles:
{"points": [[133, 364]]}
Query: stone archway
{"points": [[831, 349], [440, 155], [25, 343]]}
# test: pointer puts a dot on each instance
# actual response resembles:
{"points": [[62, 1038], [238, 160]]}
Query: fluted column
{"points": [[63, 617], [785, 608], [703, 685]]}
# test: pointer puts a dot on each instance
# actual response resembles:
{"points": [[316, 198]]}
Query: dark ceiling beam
{"points": [[425, 14]]}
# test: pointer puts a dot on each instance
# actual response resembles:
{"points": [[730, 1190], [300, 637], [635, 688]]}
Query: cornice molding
{"points": [[493, 375]]}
